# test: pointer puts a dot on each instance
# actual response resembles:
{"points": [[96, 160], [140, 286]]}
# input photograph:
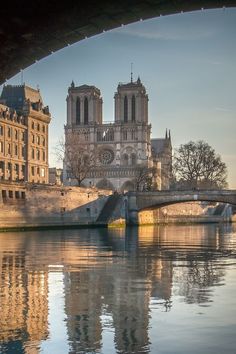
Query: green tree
{"points": [[196, 165]]}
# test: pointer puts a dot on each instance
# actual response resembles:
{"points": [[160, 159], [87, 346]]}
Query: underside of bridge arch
{"points": [[32, 30], [157, 206]]}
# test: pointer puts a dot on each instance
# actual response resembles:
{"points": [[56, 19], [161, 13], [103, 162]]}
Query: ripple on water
{"points": [[135, 290]]}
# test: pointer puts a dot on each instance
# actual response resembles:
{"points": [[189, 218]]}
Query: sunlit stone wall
{"points": [[180, 213], [37, 205]]}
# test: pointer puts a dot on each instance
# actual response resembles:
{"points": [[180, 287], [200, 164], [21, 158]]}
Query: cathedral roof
{"points": [[131, 84], [159, 145], [84, 88]]}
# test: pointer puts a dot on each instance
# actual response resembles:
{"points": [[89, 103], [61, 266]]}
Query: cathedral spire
{"points": [[166, 137], [72, 84], [169, 135], [131, 72]]}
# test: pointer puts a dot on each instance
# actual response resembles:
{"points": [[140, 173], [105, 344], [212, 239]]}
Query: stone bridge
{"points": [[137, 201]]}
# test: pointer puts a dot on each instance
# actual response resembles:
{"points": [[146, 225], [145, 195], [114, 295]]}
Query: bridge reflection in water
{"points": [[134, 290]]}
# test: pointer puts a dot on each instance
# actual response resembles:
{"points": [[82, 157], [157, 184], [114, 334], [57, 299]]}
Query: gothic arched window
{"points": [[133, 109], [125, 159], [125, 109], [77, 117], [85, 110], [133, 159]]}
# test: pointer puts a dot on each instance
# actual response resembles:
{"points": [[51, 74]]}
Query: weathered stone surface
{"points": [[49, 206], [150, 201], [33, 30]]}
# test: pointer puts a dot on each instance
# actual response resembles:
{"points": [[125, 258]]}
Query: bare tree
{"points": [[79, 161], [196, 165], [144, 178]]}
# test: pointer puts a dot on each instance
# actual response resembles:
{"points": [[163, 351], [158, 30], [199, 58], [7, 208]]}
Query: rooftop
{"points": [[15, 96]]}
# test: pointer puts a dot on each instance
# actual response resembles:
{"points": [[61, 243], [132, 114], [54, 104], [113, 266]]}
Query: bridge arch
{"points": [[139, 201], [39, 28], [156, 199]]}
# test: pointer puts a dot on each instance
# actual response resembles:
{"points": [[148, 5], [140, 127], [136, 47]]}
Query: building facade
{"points": [[23, 135], [55, 176], [122, 149]]}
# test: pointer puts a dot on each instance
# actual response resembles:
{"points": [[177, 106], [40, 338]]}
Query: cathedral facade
{"points": [[123, 149]]}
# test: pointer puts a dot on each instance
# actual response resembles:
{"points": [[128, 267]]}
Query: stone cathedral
{"points": [[122, 147]]}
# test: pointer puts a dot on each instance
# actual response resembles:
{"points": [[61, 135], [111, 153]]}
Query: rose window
{"points": [[106, 156]]}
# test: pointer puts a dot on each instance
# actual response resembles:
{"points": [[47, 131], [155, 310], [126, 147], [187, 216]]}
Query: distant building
{"points": [[55, 176], [23, 135], [162, 152], [123, 146]]}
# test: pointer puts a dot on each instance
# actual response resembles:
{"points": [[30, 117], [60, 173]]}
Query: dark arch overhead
{"points": [[31, 30]]}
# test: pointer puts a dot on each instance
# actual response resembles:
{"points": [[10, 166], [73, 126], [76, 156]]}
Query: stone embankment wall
{"points": [[39, 206], [27, 205]]}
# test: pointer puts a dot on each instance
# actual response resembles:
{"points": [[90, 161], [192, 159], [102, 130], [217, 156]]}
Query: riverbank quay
{"points": [[36, 206], [25, 206]]}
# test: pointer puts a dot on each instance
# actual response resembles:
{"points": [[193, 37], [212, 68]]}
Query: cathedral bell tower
{"points": [[84, 105], [131, 103]]}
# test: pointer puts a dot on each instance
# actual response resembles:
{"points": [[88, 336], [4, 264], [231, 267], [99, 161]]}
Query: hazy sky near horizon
{"points": [[187, 63]]}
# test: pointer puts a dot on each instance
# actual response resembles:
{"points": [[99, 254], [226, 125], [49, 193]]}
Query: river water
{"points": [[166, 289]]}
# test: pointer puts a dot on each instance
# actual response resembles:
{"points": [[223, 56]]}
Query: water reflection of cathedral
{"points": [[124, 289], [106, 274]]}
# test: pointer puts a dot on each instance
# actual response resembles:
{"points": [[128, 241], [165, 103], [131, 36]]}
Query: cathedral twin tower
{"points": [[84, 104], [123, 147]]}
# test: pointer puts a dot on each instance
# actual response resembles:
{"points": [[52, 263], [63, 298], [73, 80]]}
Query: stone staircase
{"points": [[108, 209]]}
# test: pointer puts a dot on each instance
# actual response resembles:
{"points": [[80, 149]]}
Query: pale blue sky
{"points": [[187, 63]]}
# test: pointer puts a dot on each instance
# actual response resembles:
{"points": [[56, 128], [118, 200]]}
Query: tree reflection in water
{"points": [[113, 282]]}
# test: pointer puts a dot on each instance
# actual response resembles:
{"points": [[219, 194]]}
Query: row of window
{"points": [[20, 151], [104, 135], [12, 150], [38, 127], [18, 134], [37, 171], [78, 111], [37, 139], [37, 154], [109, 135], [12, 194], [19, 170], [133, 111], [15, 133], [12, 116], [129, 135], [129, 161], [11, 169], [86, 110]]}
